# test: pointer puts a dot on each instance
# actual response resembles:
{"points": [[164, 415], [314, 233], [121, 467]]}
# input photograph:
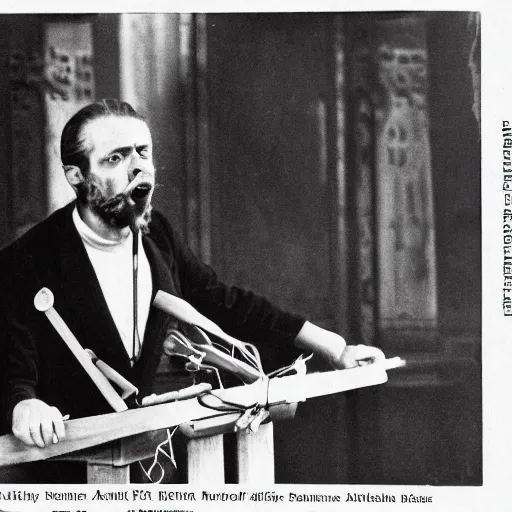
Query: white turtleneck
{"points": [[113, 264]]}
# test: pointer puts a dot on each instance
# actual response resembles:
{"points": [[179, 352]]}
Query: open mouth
{"points": [[140, 191]]}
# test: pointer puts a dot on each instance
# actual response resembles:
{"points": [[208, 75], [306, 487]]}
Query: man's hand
{"points": [[358, 355], [35, 423], [333, 347]]}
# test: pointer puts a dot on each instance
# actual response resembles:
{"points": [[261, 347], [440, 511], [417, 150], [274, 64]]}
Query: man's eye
{"points": [[144, 153], [114, 159]]}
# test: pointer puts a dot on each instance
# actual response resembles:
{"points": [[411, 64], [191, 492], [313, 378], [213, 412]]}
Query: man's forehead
{"points": [[111, 132]]}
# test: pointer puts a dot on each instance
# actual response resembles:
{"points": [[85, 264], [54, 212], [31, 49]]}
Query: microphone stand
{"points": [[135, 266]]}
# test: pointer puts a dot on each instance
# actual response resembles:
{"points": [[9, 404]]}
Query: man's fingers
{"points": [[25, 437], [347, 359], [58, 424], [47, 427], [365, 353], [36, 423], [378, 354], [35, 430], [20, 426], [22, 432], [360, 355]]}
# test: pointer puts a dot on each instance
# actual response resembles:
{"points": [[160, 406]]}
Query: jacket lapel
{"points": [[80, 301], [161, 275]]}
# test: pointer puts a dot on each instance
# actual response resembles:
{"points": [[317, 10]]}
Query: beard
{"points": [[130, 208]]}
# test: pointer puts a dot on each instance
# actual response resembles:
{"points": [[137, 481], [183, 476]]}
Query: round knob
{"points": [[43, 300]]}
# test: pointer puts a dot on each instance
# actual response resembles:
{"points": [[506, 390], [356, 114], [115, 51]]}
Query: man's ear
{"points": [[73, 175]]}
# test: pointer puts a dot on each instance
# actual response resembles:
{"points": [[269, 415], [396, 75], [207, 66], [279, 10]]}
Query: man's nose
{"points": [[133, 171], [136, 166]]}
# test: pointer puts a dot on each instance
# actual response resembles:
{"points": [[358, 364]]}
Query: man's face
{"points": [[119, 184]]}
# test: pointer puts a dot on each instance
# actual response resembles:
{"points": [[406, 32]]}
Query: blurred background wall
{"points": [[328, 161]]}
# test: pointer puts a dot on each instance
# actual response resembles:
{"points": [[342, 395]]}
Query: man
{"points": [[84, 252]]}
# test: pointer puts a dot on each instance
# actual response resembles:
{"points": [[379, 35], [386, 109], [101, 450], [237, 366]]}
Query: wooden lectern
{"points": [[111, 442], [109, 463]]}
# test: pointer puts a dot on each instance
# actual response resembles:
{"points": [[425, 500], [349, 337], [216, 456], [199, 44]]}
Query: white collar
{"points": [[96, 241]]}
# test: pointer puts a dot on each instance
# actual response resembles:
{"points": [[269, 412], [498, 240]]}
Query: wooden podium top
{"points": [[92, 431]]}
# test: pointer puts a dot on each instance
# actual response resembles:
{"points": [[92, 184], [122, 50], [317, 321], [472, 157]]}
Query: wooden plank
{"points": [[86, 432], [205, 458], [139, 447], [208, 427], [107, 474], [255, 455], [102, 454], [121, 452]]}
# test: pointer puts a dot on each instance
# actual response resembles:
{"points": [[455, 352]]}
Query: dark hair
{"points": [[72, 148]]}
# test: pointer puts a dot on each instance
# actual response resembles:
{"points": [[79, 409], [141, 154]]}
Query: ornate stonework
{"points": [[407, 285], [394, 198], [48, 85]]}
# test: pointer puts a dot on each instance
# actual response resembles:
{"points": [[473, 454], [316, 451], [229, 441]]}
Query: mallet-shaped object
{"points": [[43, 301]]}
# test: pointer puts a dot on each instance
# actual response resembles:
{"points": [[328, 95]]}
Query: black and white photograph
{"points": [[241, 260]]}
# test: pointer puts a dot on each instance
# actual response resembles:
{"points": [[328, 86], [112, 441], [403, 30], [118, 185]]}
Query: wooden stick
{"points": [[180, 394], [128, 389], [43, 301]]}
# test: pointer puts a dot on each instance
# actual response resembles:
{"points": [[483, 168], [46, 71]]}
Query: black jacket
{"points": [[39, 364]]}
